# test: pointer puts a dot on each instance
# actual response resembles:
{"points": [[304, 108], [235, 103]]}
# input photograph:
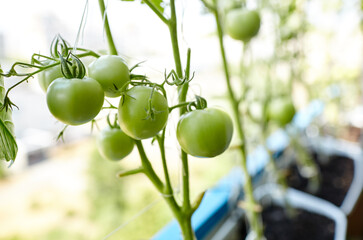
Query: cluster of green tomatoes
{"points": [[74, 99]]}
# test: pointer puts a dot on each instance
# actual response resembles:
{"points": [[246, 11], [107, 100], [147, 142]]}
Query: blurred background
{"points": [[65, 190]]}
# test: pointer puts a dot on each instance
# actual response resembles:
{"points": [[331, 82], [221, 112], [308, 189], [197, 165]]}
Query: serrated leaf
{"points": [[8, 146]]}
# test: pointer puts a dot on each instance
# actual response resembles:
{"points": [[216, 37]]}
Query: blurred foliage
{"points": [[105, 191], [111, 205]]}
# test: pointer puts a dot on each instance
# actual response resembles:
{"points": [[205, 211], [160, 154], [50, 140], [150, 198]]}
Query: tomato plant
{"points": [[114, 144], [143, 109], [111, 72], [143, 112], [242, 24], [281, 110], [205, 132], [46, 77]]}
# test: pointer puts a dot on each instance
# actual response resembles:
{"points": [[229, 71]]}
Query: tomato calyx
{"points": [[199, 104], [113, 124], [59, 47], [72, 69]]}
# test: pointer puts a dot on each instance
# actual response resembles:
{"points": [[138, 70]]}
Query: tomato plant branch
{"points": [[39, 67], [88, 53], [156, 11], [111, 43], [184, 104], [130, 172], [172, 24], [253, 216], [186, 210], [161, 142], [150, 173]]}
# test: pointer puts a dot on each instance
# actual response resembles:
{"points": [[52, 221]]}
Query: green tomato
{"points": [[111, 72], [133, 115], [46, 77], [205, 133], [114, 144], [281, 110], [75, 101], [242, 24]]}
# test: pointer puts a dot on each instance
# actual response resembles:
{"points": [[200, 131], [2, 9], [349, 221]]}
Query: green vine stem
{"points": [[186, 226], [111, 43], [254, 217], [155, 180], [186, 210], [182, 213], [161, 141]]}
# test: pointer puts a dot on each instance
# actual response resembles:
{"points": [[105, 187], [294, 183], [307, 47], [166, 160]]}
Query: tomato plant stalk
{"points": [[111, 43], [183, 212], [254, 217]]}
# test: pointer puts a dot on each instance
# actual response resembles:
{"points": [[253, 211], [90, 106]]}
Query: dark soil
{"points": [[302, 225], [336, 178]]}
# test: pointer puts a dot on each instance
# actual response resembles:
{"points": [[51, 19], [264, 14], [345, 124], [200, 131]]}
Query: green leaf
{"points": [[8, 146], [159, 4]]}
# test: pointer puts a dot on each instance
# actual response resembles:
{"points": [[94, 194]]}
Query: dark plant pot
{"points": [[271, 194], [218, 216], [352, 203]]}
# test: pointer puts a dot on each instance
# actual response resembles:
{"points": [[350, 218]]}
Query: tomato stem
{"points": [[254, 217], [156, 11], [161, 142], [185, 213], [184, 104], [149, 171], [111, 43], [130, 172], [182, 97]]}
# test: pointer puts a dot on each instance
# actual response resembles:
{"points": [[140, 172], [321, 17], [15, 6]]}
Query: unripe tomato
{"points": [[111, 72], [133, 117], [75, 101], [281, 110], [114, 144], [46, 77], [242, 24], [205, 133]]}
